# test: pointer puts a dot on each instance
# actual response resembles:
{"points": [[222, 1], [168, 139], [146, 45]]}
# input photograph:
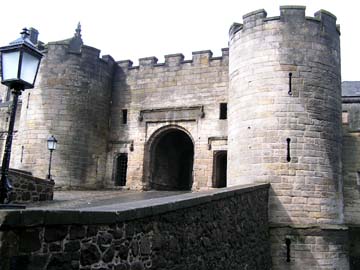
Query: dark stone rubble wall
{"points": [[27, 188], [222, 229]]}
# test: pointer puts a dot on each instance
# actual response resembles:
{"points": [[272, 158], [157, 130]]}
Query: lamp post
{"points": [[51, 143], [20, 61]]}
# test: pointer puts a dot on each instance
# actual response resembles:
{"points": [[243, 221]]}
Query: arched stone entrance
{"points": [[171, 160]]}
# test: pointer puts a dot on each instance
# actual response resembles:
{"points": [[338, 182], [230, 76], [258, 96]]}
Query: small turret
{"points": [[76, 42], [71, 101]]}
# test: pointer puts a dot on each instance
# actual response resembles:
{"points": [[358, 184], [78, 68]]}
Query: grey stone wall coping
{"points": [[217, 58], [149, 58], [186, 61], [312, 19], [349, 99], [329, 227], [30, 177], [273, 18], [128, 62], [326, 12], [292, 7], [166, 109], [19, 171], [111, 214], [258, 11], [174, 55], [205, 52]]}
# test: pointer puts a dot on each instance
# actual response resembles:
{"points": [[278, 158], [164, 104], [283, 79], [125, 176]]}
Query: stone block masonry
{"points": [[222, 229], [310, 248], [285, 129], [70, 101]]}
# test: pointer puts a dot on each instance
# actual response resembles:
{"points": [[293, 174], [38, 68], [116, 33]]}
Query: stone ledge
{"points": [[350, 99], [111, 214], [29, 176], [325, 227]]}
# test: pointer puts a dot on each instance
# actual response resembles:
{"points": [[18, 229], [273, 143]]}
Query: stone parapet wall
{"points": [[222, 229], [27, 188]]}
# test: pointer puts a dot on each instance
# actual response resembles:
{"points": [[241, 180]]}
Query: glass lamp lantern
{"points": [[51, 143], [20, 61]]}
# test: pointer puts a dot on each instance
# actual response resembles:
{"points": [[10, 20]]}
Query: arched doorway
{"points": [[171, 161]]}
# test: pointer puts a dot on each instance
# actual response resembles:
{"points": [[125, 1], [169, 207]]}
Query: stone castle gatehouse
{"points": [[270, 109]]}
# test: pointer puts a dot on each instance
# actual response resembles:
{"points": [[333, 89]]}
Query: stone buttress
{"points": [[285, 129]]}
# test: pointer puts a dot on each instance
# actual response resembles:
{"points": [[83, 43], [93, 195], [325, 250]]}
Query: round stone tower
{"points": [[285, 125], [71, 101]]}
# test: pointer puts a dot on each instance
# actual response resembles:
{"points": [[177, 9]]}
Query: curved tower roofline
{"points": [[294, 14]]}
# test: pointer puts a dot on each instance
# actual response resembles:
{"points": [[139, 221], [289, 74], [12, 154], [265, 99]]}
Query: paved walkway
{"points": [[76, 199]]}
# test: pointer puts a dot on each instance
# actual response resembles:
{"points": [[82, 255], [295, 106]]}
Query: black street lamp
{"points": [[20, 61], [51, 143]]}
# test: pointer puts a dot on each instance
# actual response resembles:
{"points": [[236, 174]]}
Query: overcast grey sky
{"points": [[133, 29]]}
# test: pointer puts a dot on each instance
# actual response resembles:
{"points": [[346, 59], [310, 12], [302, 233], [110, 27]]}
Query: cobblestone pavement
{"points": [[79, 199]]}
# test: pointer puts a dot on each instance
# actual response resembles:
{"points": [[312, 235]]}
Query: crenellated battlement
{"points": [[288, 14], [199, 58]]}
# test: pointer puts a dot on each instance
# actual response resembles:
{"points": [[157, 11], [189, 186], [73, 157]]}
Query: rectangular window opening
{"points": [[124, 116], [223, 110]]}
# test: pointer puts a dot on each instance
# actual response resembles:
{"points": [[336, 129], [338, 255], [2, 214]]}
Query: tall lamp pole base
{"points": [[5, 185]]}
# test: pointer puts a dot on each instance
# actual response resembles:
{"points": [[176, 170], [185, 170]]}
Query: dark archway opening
{"points": [[121, 169], [172, 159], [220, 165]]}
